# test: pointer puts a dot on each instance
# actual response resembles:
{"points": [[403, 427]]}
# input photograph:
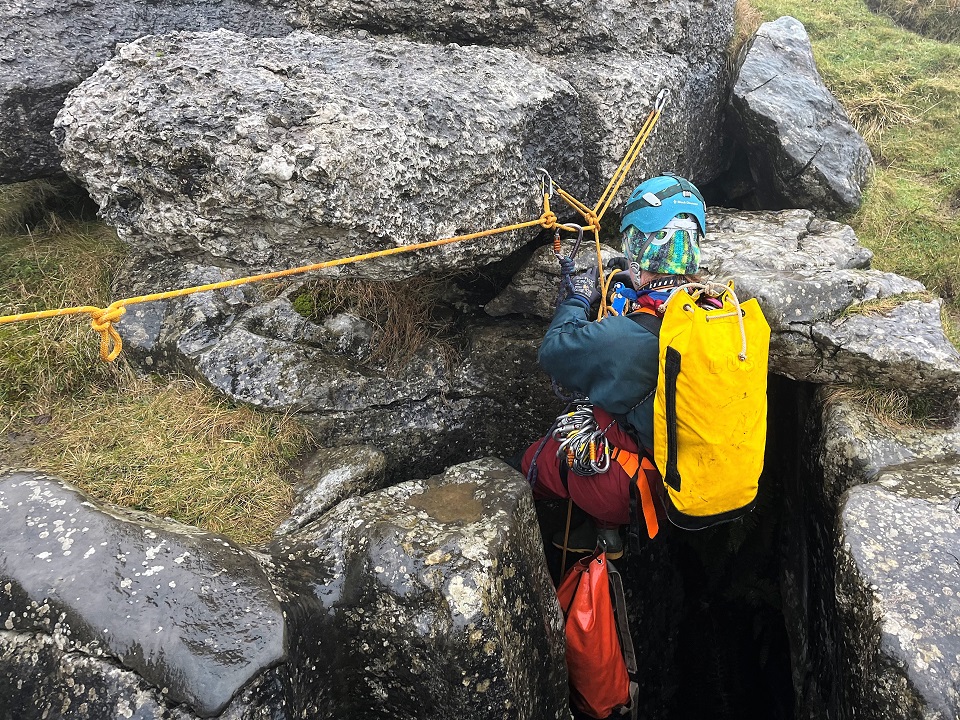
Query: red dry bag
{"points": [[598, 674]]}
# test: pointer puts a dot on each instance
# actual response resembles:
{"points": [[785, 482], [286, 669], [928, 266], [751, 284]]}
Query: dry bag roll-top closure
{"points": [[710, 408]]}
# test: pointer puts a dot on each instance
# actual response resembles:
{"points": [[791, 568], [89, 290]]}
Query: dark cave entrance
{"points": [[709, 611]]}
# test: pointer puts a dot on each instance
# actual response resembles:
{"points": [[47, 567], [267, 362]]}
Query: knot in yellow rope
{"points": [[592, 220], [102, 321], [548, 219]]}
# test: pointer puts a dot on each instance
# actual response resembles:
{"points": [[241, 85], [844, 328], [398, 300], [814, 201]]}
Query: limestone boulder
{"points": [[549, 27], [48, 47], [277, 152], [799, 145], [896, 543], [428, 599], [111, 609]]}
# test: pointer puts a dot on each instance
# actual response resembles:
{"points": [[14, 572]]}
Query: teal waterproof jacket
{"points": [[613, 362]]}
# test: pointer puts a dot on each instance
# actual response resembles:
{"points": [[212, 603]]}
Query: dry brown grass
{"points": [[406, 314], [746, 20], [895, 409], [873, 114], [883, 306]]}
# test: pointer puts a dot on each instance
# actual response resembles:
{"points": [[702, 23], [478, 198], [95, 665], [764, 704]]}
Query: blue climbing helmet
{"points": [[662, 224]]}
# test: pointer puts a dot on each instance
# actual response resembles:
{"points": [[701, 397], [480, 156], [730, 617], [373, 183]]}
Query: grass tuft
{"points": [[896, 409], [883, 306], [407, 314], [873, 114], [746, 20]]}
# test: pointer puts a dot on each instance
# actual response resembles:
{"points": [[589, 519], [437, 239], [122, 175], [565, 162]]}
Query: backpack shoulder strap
{"points": [[647, 320]]}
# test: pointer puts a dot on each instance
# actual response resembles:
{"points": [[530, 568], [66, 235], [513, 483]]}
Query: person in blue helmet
{"points": [[614, 362]]}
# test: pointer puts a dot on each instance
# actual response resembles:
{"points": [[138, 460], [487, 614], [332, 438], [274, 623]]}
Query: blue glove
{"points": [[585, 286]]}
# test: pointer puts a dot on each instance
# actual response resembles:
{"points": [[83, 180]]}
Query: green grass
{"points": [[902, 92], [938, 19], [167, 446]]}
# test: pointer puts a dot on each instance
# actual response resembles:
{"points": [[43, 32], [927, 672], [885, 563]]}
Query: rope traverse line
{"points": [[111, 344]]}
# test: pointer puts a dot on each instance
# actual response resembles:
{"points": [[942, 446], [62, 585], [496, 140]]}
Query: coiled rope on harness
{"points": [[111, 344]]}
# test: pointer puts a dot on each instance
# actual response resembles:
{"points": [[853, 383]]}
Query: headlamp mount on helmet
{"points": [[657, 201]]}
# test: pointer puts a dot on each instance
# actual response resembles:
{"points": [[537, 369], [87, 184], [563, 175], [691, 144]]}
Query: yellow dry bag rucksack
{"points": [[710, 407]]}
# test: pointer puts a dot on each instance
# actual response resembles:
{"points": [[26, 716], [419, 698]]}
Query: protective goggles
{"points": [[674, 249], [680, 231]]}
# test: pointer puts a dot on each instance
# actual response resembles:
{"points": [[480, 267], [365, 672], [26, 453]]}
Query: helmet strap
{"points": [[667, 281]]}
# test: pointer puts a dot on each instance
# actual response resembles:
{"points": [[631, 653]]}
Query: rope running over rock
{"points": [[111, 344]]}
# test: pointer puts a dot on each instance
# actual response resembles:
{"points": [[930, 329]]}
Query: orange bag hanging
{"points": [[598, 675]]}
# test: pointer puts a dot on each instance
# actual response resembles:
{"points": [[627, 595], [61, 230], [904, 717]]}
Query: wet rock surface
{"points": [[331, 475], [799, 144], [190, 613], [428, 599], [50, 46]]}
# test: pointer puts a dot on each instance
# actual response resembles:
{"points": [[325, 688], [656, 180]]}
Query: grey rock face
{"points": [[429, 599], [617, 91], [274, 153], [547, 27], [49, 47], [896, 544], [807, 274], [191, 614], [330, 476], [802, 150]]}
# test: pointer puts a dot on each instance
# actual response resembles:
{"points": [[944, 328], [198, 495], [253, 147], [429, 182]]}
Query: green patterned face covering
{"points": [[674, 250]]}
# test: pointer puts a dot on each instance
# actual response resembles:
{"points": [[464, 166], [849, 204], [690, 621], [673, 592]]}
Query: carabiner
{"points": [[543, 188], [576, 245], [661, 99]]}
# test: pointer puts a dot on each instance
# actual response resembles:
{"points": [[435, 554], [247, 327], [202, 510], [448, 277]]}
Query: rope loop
{"points": [[549, 219], [101, 320]]}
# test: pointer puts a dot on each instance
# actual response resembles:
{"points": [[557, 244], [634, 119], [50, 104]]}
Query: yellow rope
{"points": [[102, 319], [111, 344]]}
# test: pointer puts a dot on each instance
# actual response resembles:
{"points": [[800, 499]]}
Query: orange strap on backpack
{"points": [[639, 467]]}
